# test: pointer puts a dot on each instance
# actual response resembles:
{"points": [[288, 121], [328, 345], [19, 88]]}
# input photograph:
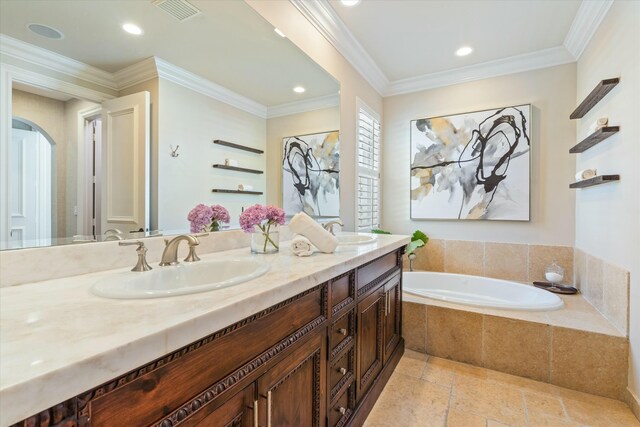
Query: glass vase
{"points": [[265, 241]]}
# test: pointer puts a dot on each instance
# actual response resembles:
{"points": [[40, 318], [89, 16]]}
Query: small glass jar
{"points": [[265, 242], [554, 273]]}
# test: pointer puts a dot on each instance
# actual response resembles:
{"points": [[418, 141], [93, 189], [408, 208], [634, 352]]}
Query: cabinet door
{"points": [[370, 337], [238, 411], [392, 313], [293, 392]]}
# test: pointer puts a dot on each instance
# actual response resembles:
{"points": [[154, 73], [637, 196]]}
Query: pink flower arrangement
{"points": [[262, 217], [207, 218]]}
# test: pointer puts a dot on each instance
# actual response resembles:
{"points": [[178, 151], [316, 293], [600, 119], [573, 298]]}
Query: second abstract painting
{"points": [[311, 174], [472, 165]]}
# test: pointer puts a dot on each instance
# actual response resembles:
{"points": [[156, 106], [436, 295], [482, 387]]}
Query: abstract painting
{"points": [[311, 174], [472, 165]]}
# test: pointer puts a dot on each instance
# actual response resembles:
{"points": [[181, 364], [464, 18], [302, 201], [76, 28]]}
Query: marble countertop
{"points": [[58, 340]]}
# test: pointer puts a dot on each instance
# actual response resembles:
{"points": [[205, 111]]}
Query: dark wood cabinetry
{"points": [[320, 358]]}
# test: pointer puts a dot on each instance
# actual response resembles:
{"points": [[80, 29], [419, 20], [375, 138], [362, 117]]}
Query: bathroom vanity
{"points": [[315, 349]]}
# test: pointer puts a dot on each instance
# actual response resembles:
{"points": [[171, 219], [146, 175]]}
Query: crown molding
{"points": [[136, 73], [55, 62], [585, 24], [500, 67], [206, 87], [328, 23], [304, 106]]}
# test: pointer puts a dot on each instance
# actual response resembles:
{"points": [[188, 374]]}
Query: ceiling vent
{"points": [[179, 9]]}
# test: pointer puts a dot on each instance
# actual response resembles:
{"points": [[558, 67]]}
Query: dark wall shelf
{"points": [[235, 168], [597, 180], [596, 137], [220, 190], [237, 146], [592, 99]]}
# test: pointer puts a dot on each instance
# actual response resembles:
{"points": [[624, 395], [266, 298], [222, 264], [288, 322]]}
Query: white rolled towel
{"points": [[301, 246], [245, 187], [301, 223], [231, 162], [586, 174]]}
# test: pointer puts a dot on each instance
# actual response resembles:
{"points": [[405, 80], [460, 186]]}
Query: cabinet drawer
{"points": [[167, 384], [342, 409], [341, 333], [369, 273], [343, 292], [341, 372]]}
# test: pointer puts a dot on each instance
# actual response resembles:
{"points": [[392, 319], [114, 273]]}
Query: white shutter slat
{"points": [[368, 189]]}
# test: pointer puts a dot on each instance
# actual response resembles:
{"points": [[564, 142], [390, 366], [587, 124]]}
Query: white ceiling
{"points": [[229, 43], [407, 39]]}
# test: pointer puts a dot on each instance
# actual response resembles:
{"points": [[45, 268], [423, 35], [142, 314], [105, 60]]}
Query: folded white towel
{"points": [[245, 187], [302, 223], [586, 174], [231, 162], [301, 246]]}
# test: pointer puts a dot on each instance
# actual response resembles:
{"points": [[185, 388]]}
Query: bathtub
{"points": [[479, 291]]}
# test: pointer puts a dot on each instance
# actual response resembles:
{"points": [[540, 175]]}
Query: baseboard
{"points": [[634, 403], [366, 405]]}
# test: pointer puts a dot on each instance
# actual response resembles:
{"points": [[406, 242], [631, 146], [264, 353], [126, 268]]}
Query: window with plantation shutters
{"points": [[368, 171]]}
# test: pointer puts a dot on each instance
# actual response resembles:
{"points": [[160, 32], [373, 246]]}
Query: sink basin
{"points": [[355, 239], [184, 278]]}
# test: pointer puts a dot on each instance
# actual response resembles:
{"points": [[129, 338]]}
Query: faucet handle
{"points": [[141, 250], [192, 256]]}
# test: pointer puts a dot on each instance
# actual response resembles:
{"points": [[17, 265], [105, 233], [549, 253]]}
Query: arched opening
{"points": [[32, 192]]}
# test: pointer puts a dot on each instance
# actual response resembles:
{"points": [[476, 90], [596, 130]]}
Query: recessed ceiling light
{"points": [[132, 29], [299, 89], [45, 31], [279, 32], [349, 3], [464, 51]]}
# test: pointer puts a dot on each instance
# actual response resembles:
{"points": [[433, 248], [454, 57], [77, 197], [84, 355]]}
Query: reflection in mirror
{"points": [[96, 114]]}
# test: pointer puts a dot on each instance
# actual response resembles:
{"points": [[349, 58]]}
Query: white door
{"points": [[30, 189], [124, 160]]}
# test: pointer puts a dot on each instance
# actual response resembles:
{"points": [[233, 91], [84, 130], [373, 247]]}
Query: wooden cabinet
{"points": [[319, 358], [291, 393], [392, 315], [370, 333]]}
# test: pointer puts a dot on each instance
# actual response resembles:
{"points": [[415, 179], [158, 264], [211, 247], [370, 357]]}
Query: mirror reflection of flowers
{"points": [[207, 218], [264, 218]]}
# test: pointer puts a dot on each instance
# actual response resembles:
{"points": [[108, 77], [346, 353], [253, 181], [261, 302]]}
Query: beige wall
{"points": [[49, 115], [193, 121], [608, 216], [551, 92], [285, 16], [308, 122]]}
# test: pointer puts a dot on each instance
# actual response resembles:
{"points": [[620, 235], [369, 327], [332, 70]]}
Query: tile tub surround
{"points": [[508, 261], [98, 339], [575, 347], [431, 391], [604, 285]]}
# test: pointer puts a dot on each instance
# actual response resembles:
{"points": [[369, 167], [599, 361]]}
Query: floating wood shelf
{"points": [[220, 190], [596, 137], [594, 97], [597, 180], [237, 146], [235, 168]]}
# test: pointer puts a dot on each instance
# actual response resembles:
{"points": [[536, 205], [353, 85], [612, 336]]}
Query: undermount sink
{"points": [[184, 278], [355, 239]]}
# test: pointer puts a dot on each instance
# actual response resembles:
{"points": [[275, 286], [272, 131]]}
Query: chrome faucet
{"points": [[170, 254], [329, 225], [142, 252]]}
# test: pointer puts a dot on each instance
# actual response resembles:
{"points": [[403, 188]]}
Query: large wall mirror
{"points": [[110, 110]]}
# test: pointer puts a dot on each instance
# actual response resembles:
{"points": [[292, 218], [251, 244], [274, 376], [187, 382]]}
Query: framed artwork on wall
{"points": [[311, 174], [472, 165]]}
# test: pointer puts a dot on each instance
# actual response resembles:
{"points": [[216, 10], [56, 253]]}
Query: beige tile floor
{"points": [[429, 391]]}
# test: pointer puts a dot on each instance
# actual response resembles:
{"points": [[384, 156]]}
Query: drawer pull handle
{"points": [[342, 410], [269, 408], [255, 413], [342, 331], [343, 371]]}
